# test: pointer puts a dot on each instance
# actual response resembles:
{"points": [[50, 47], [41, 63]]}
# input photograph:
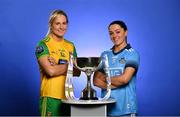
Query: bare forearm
{"points": [[100, 83], [51, 68], [124, 78], [99, 80], [103, 84], [55, 70], [116, 82]]}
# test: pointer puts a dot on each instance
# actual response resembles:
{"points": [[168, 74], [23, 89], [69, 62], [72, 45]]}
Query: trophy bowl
{"points": [[88, 61]]}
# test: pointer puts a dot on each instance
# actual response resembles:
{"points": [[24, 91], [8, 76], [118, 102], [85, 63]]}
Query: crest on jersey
{"points": [[122, 60], [39, 49], [62, 53]]}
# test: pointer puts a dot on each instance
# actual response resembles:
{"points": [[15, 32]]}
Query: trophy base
{"points": [[87, 98], [88, 94]]}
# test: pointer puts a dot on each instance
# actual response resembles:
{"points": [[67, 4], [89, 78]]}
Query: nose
{"points": [[114, 35], [61, 26]]}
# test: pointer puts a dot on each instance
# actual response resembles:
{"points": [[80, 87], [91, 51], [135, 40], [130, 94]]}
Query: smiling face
{"points": [[58, 26], [117, 35]]}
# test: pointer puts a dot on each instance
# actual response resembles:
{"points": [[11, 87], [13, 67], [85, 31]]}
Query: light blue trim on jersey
{"points": [[125, 96]]}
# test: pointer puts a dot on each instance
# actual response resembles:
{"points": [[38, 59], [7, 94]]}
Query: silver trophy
{"points": [[88, 65]]}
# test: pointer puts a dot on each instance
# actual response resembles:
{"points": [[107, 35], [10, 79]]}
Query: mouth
{"points": [[116, 40], [61, 31]]}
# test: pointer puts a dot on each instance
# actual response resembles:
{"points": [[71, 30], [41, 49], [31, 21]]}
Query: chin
{"points": [[116, 44], [60, 35]]}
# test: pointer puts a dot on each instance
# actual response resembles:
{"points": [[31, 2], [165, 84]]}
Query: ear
{"points": [[126, 33], [50, 27]]}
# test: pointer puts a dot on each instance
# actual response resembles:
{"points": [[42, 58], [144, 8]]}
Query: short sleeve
{"points": [[133, 60], [41, 50], [74, 52], [101, 69]]}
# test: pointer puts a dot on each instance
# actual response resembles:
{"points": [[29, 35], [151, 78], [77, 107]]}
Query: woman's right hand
{"points": [[51, 60]]}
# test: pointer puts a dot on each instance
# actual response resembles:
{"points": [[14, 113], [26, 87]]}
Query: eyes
{"points": [[59, 23], [114, 32]]}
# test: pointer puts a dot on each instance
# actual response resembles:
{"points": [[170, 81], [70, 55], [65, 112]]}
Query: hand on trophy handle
{"points": [[51, 60]]}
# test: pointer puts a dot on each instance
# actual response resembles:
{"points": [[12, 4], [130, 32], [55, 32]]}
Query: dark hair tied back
{"points": [[120, 23]]}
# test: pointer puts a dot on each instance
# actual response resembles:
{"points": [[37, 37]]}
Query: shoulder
{"points": [[106, 52], [70, 46], [133, 57], [41, 48], [68, 42], [43, 41], [132, 52]]}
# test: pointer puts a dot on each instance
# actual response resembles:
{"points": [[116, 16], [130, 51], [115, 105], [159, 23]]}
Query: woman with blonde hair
{"points": [[52, 54]]}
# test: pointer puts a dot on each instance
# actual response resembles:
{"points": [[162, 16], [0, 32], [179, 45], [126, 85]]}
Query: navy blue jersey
{"points": [[125, 95]]}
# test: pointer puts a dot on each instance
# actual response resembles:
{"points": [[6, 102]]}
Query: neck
{"points": [[55, 37], [119, 47]]}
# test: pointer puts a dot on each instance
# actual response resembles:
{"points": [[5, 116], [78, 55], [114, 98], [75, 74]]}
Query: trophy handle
{"points": [[69, 90], [100, 64], [108, 79], [76, 66]]}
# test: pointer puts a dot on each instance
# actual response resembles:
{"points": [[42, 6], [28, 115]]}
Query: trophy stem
{"points": [[89, 85], [88, 81], [88, 93]]}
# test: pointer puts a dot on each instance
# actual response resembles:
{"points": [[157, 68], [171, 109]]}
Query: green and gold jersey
{"points": [[54, 87]]}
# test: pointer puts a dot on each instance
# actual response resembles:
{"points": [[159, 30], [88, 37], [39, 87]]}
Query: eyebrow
{"points": [[115, 30]]}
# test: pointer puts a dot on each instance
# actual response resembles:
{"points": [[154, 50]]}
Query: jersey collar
{"points": [[128, 46], [56, 42]]}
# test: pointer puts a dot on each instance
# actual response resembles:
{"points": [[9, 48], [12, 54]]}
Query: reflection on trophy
{"points": [[88, 65]]}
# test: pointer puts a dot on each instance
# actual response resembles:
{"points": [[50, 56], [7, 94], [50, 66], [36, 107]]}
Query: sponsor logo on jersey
{"points": [[62, 61], [39, 49]]}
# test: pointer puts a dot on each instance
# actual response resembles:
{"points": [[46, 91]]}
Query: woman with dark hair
{"points": [[123, 66]]}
